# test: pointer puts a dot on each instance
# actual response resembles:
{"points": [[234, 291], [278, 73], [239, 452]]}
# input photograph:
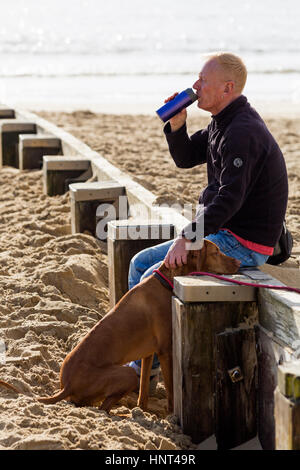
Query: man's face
{"points": [[210, 87]]}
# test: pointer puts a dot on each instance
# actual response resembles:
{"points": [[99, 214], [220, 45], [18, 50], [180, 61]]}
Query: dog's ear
{"points": [[211, 247]]}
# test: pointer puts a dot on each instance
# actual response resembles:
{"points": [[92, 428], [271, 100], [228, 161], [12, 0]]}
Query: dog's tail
{"points": [[64, 393], [10, 387], [47, 400]]}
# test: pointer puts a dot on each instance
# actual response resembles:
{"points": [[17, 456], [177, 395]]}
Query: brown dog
{"points": [[137, 327]]}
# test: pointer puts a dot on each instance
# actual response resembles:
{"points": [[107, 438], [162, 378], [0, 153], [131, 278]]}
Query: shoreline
{"points": [[276, 93]]}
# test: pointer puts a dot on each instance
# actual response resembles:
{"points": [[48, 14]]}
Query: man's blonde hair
{"points": [[233, 67]]}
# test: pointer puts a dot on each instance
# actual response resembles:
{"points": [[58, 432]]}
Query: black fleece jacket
{"points": [[247, 189]]}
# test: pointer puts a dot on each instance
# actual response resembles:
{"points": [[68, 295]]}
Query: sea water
{"points": [[128, 56]]}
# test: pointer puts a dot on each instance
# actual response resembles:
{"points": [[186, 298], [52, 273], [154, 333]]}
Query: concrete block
{"points": [[32, 148]]}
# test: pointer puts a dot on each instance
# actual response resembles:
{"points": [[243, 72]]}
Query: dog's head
{"points": [[210, 259]]}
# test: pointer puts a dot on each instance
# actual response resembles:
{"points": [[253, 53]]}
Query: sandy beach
{"points": [[54, 285]]}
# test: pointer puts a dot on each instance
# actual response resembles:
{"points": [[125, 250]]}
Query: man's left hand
{"points": [[177, 254]]}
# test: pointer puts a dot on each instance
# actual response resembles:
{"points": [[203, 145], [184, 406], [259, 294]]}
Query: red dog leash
{"points": [[223, 278], [163, 279], [242, 283]]}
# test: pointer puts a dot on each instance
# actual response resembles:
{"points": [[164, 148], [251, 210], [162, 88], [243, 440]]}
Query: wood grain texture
{"points": [[194, 358], [120, 253], [236, 387], [270, 353], [287, 419]]}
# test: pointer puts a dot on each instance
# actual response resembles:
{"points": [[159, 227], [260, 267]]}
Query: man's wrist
{"points": [[176, 127], [168, 129]]}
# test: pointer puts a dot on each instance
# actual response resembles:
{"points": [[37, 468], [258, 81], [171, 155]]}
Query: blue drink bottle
{"points": [[181, 101]]}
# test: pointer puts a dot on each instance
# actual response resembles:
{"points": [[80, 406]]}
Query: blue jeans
{"points": [[143, 263]]}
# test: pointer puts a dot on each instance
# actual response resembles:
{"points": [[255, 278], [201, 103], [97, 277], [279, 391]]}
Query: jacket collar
{"points": [[226, 115]]}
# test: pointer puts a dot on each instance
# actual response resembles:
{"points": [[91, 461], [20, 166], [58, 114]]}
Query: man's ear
{"points": [[229, 87]]}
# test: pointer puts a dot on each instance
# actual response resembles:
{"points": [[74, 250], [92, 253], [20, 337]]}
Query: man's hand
{"points": [[177, 121], [177, 254]]}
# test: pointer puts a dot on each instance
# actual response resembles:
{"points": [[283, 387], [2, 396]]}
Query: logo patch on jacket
{"points": [[238, 162]]}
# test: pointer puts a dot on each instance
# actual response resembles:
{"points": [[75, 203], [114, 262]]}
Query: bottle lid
{"points": [[191, 94]]}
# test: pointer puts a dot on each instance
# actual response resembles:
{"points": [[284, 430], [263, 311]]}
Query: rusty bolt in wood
{"points": [[235, 374]]}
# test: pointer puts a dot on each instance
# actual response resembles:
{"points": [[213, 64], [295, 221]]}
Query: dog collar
{"points": [[163, 279]]}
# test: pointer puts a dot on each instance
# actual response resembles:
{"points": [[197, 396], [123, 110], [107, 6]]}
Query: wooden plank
{"points": [[39, 140], [279, 312], [7, 113], [10, 129], [278, 341], [32, 148], [270, 353], [178, 384], [121, 248], [60, 171], [236, 384], [57, 182], [209, 289], [96, 190], [290, 276], [65, 163], [194, 358], [287, 419], [193, 369], [86, 200], [287, 406], [32, 157], [288, 379]]}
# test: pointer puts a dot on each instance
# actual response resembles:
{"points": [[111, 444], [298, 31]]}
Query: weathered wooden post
{"points": [[7, 113], [125, 239], [287, 407], [278, 342], [236, 387], [60, 171], [270, 353], [94, 204], [202, 309], [10, 130], [32, 148]]}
